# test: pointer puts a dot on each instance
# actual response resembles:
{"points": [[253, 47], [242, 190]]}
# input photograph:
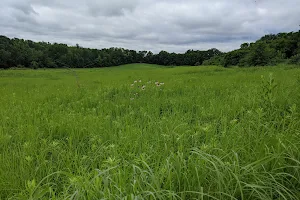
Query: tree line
{"points": [[28, 54], [269, 50]]}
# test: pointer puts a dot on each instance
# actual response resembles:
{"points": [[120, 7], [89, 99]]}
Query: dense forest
{"points": [[269, 50], [28, 54]]}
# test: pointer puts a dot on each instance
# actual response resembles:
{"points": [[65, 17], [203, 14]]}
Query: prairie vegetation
{"points": [[147, 132]]}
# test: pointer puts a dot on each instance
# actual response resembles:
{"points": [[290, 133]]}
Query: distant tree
{"points": [[5, 57], [34, 65], [245, 45], [141, 56], [295, 59], [216, 60], [233, 58], [197, 64], [261, 55], [163, 58], [149, 57]]}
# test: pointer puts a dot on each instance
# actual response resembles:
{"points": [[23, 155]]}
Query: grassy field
{"points": [[200, 133]]}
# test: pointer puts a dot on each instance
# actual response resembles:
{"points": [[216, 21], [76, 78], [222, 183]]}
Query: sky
{"points": [[171, 25]]}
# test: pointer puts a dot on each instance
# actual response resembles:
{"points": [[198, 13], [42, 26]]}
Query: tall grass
{"points": [[206, 133]]}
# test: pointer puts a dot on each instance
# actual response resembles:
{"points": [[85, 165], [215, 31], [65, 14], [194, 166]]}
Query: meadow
{"points": [[149, 132]]}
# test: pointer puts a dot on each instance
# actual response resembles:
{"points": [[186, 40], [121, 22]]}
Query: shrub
{"points": [[216, 60], [34, 65], [295, 59]]}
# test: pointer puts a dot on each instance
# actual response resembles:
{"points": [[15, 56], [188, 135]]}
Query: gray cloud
{"points": [[111, 8], [172, 25], [25, 8]]}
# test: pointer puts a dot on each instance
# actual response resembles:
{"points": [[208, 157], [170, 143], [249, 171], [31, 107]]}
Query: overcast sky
{"points": [[172, 25]]}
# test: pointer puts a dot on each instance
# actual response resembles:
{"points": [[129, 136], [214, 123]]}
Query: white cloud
{"points": [[172, 25]]}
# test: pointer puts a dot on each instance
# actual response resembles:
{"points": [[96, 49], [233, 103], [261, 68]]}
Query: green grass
{"points": [[207, 133]]}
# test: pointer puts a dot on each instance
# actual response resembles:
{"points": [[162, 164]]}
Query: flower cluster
{"points": [[158, 84], [139, 85], [143, 86]]}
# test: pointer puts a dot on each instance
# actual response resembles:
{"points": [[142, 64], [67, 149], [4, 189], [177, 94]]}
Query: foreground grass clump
{"points": [[146, 132]]}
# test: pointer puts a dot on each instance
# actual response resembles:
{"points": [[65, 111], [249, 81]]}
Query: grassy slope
{"points": [[208, 133]]}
